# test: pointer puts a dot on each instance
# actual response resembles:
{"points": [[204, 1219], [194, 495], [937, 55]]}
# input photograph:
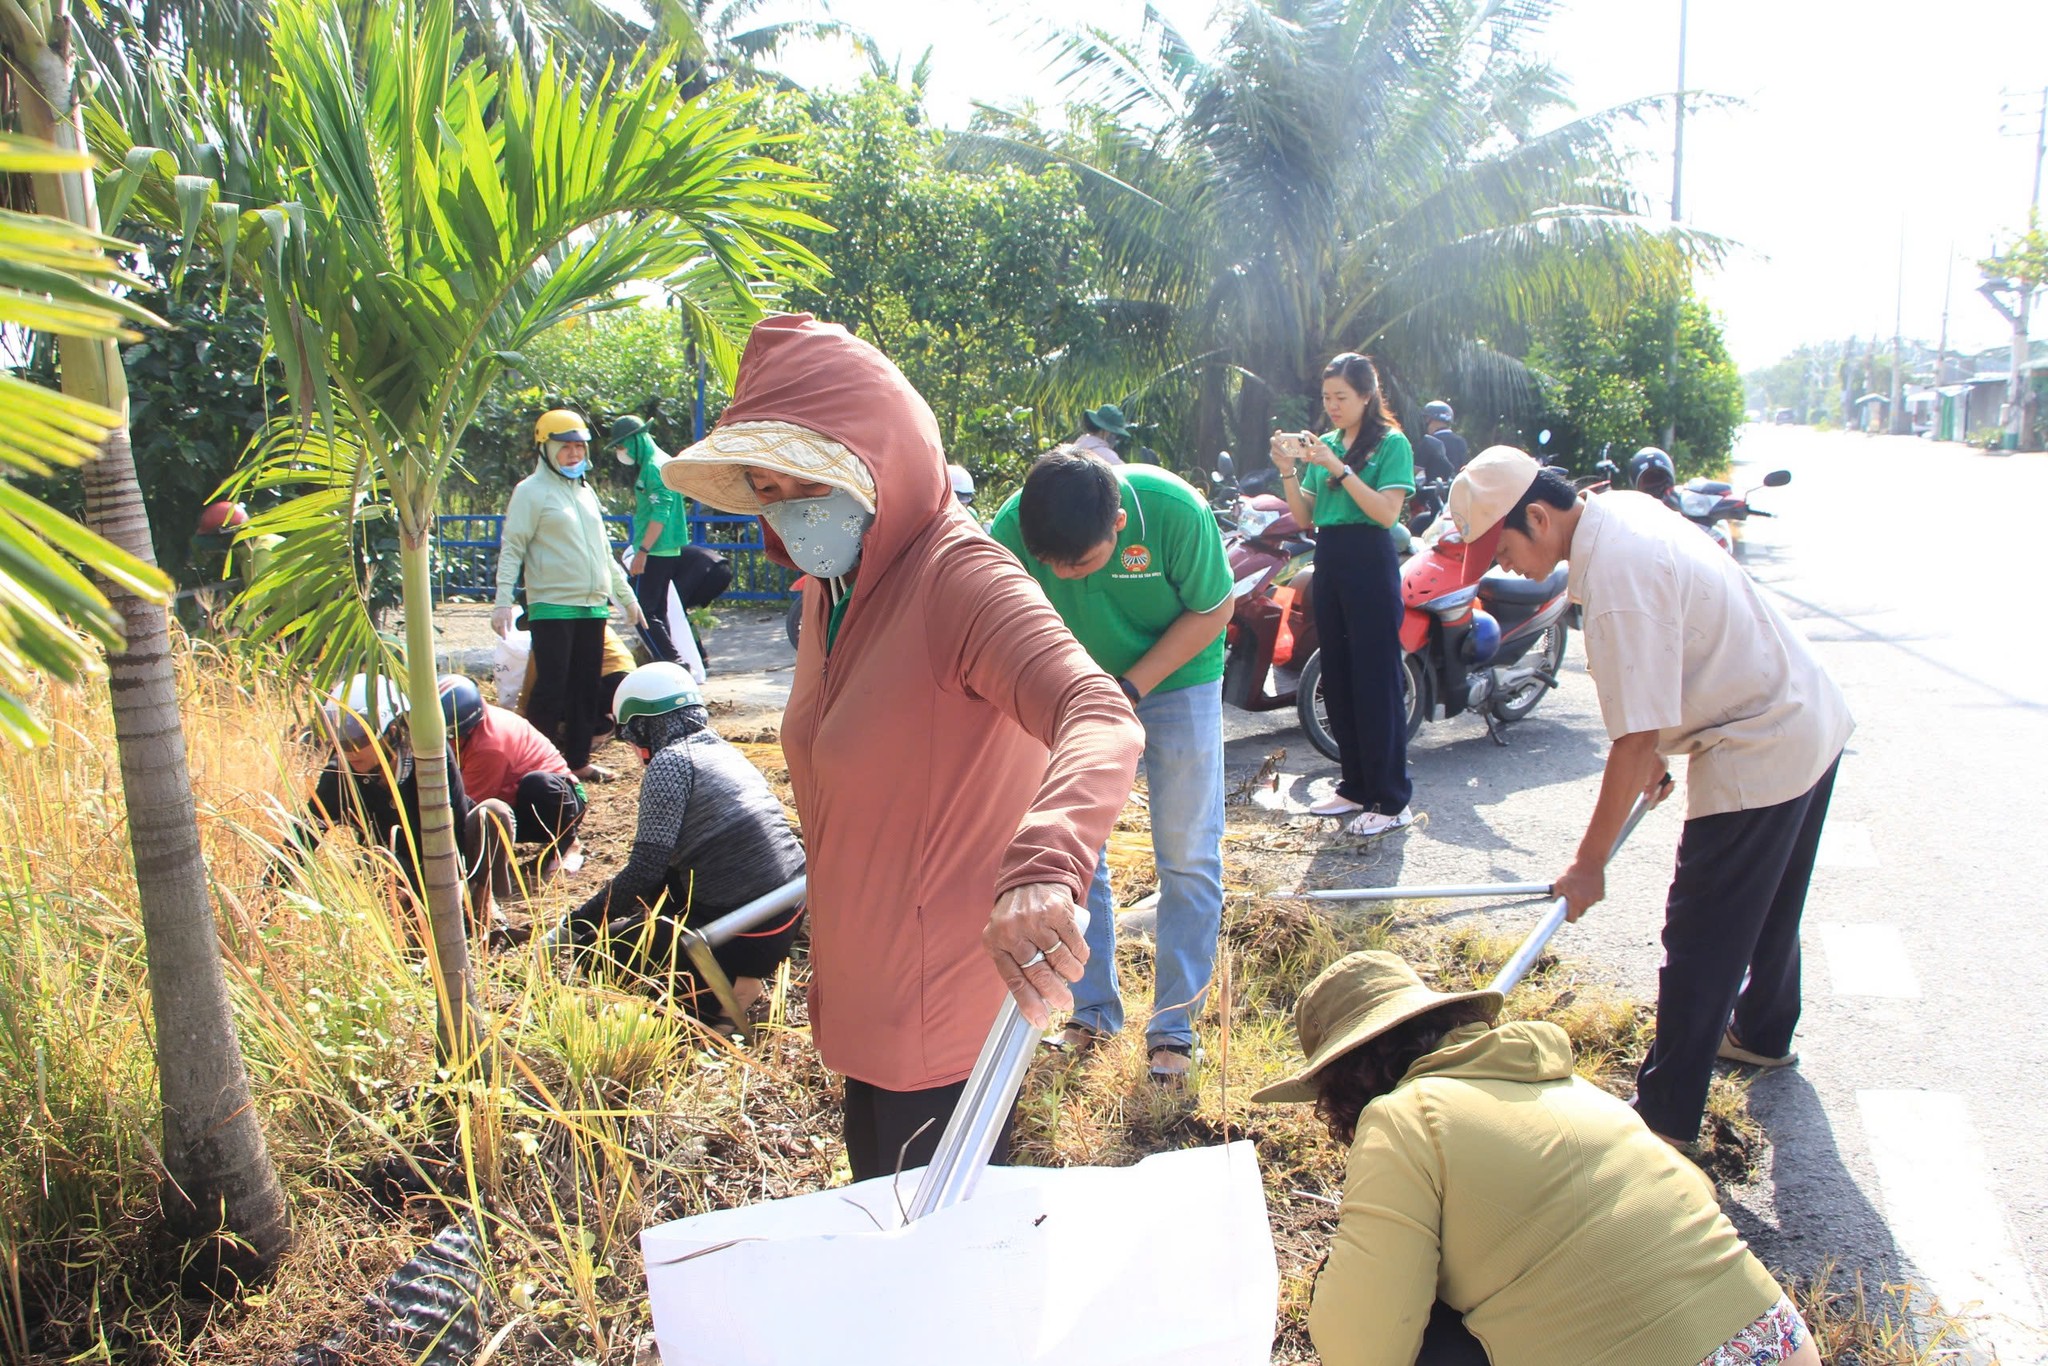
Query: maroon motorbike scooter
{"points": [[1272, 632]]}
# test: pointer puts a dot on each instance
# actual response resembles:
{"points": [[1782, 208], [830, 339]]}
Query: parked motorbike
{"points": [[1471, 640], [1715, 508], [1272, 631]]}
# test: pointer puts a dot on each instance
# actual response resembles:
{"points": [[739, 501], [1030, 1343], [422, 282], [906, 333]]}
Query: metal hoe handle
{"points": [[1497, 890], [1517, 967], [970, 1135], [755, 912]]}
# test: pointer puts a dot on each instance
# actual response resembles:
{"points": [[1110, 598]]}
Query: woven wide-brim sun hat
{"points": [[1356, 999], [714, 470]]}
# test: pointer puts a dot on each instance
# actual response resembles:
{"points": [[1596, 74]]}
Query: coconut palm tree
{"points": [[1345, 175], [221, 1190], [423, 215]]}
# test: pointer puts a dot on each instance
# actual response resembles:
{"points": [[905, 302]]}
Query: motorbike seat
{"points": [[1513, 590]]}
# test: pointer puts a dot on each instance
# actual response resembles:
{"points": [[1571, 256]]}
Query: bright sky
{"points": [[1858, 121]]}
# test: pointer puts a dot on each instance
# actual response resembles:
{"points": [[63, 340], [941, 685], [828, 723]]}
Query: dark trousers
{"points": [[882, 1127], [1358, 626], [568, 657], [652, 590], [546, 808], [1731, 949], [1447, 1342]]}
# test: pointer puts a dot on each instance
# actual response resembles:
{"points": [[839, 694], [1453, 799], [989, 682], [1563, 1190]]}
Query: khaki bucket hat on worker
{"points": [[714, 470], [1357, 998]]}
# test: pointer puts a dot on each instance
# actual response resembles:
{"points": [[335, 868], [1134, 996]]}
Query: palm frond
{"points": [[54, 619]]}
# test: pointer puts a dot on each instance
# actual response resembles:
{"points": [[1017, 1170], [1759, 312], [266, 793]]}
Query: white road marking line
{"points": [[1845, 844], [1868, 960], [1946, 1220]]}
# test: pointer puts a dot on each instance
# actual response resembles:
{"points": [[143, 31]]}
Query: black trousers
{"points": [[1731, 949], [652, 590], [1358, 629], [883, 1127], [546, 808], [568, 657]]}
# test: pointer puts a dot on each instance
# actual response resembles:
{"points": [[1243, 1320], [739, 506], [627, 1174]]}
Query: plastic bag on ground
{"points": [[508, 665], [1167, 1263]]}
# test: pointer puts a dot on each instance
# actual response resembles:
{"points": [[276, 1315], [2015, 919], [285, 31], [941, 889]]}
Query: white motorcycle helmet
{"points": [[354, 715], [963, 482], [653, 690]]}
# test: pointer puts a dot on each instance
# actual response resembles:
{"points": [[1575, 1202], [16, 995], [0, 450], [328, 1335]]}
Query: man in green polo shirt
{"points": [[1133, 562]]}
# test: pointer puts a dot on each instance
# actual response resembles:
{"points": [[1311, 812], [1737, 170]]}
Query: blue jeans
{"points": [[1184, 781]]}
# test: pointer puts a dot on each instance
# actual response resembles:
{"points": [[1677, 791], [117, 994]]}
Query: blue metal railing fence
{"points": [[466, 553]]}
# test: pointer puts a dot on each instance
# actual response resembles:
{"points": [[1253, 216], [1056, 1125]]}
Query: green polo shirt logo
{"points": [[1168, 560]]}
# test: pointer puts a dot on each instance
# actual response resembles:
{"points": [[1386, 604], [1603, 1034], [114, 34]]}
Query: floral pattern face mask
{"points": [[822, 535]]}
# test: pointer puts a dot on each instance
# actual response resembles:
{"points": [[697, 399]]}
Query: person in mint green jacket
{"points": [[554, 536]]}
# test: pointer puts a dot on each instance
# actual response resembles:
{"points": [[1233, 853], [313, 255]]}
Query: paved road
{"points": [[1908, 1142]]}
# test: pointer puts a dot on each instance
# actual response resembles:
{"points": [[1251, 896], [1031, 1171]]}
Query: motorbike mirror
{"points": [[1777, 479], [1543, 437], [1225, 466]]}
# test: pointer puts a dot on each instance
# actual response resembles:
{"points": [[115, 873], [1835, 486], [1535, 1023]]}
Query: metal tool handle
{"points": [[1517, 967], [756, 912], [970, 1135], [1441, 892]]}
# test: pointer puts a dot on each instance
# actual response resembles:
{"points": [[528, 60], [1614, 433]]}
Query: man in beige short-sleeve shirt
{"points": [[1687, 657]]}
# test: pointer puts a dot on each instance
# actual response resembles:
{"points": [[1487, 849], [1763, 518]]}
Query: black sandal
{"points": [[1079, 1047], [1172, 1076]]}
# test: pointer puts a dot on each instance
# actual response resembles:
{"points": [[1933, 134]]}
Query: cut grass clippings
{"points": [[609, 1110]]}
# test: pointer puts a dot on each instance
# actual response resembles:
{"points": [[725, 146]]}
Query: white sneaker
{"points": [[1378, 823], [1334, 805]]}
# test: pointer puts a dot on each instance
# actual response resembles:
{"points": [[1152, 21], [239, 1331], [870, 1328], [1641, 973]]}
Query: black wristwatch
{"points": [[1130, 690], [1342, 473]]}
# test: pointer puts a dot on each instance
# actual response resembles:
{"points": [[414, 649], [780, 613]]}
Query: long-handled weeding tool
{"points": [[698, 943], [970, 1135], [1517, 967]]}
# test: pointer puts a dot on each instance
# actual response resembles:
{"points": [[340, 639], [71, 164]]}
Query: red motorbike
{"points": [[1272, 632], [1471, 640]]}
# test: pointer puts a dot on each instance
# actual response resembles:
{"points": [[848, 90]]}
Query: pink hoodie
{"points": [[919, 749]]}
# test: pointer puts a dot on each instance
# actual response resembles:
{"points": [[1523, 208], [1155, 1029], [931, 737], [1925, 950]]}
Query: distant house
{"points": [[1971, 408], [1872, 412]]}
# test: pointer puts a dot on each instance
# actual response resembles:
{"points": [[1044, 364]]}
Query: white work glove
{"points": [[503, 619], [634, 614]]}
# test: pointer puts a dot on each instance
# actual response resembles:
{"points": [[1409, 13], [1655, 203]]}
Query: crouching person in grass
{"points": [[370, 785], [504, 759], [1488, 1182], [1134, 565], [711, 838]]}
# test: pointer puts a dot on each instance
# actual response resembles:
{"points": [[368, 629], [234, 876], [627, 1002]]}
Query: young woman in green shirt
{"points": [[1352, 484]]}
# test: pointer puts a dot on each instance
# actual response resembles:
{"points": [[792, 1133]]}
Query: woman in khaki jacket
{"points": [[1486, 1176]]}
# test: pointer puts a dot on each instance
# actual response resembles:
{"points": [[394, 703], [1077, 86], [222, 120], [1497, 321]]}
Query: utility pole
{"points": [[1942, 431], [1898, 425], [2019, 384], [1677, 194]]}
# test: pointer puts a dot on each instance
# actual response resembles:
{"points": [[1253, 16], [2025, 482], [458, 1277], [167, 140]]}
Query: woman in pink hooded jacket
{"points": [[957, 757]]}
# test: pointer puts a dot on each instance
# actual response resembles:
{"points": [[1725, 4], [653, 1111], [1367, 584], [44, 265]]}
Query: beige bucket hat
{"points": [[713, 471], [1359, 997]]}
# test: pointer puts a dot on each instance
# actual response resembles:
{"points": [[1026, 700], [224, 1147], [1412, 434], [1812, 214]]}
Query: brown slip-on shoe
{"points": [[1731, 1050]]}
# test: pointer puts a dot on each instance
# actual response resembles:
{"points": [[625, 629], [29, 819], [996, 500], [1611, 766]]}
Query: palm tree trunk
{"points": [[221, 1191], [442, 874]]}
